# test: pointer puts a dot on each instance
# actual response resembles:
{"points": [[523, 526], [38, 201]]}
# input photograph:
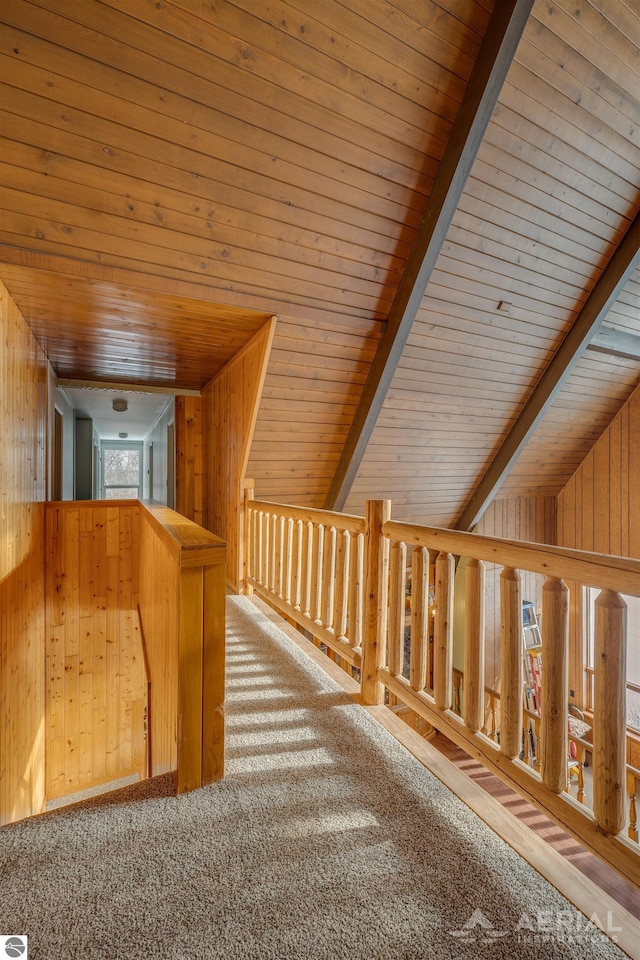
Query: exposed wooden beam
{"points": [[135, 387], [602, 297], [617, 343], [487, 77]]}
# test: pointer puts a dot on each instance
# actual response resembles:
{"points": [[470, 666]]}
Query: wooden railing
{"points": [[295, 562], [309, 564]]}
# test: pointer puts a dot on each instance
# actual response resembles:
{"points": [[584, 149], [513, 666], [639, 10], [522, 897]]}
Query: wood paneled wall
{"points": [[316, 372], [531, 519], [23, 390], [599, 508], [96, 683], [189, 459], [230, 406]]}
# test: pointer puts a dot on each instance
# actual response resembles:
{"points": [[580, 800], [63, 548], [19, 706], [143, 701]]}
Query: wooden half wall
{"points": [[23, 412], [230, 404], [96, 681]]}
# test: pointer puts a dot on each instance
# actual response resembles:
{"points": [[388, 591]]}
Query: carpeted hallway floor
{"points": [[325, 840]]}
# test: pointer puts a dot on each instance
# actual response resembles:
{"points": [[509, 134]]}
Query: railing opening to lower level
{"points": [[404, 608]]}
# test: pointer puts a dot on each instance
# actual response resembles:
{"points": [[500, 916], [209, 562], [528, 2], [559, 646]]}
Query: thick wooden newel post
{"points": [[443, 632], [555, 682], [609, 719], [511, 663], [473, 690], [376, 591]]}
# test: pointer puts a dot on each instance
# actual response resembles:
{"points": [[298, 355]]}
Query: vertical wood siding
{"points": [[230, 404], [599, 509], [96, 682], [22, 490]]}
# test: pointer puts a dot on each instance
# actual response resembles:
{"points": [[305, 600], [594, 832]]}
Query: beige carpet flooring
{"points": [[325, 840]]}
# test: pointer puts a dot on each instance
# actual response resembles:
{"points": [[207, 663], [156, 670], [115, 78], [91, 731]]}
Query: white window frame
{"points": [[120, 445]]}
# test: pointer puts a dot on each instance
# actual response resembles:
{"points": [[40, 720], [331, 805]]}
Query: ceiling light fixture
{"points": [[120, 405]]}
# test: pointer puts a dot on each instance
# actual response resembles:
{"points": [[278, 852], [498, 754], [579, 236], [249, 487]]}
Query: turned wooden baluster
{"points": [[308, 568], [260, 548], [443, 631], [537, 729], [330, 576], [632, 783], [457, 694], [318, 567], [580, 796], [356, 592], [492, 712], [474, 646], [267, 550], [555, 683], [249, 549], [397, 576], [275, 558], [511, 679], [609, 720], [343, 562], [287, 559], [297, 567], [527, 741], [419, 622]]}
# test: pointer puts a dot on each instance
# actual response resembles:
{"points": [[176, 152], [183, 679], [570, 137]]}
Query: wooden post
{"points": [[473, 690], [511, 663], [609, 719], [555, 684], [419, 655], [443, 632], [396, 608], [376, 591], [247, 561]]}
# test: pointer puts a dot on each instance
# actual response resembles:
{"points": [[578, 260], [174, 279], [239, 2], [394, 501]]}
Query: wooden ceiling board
{"points": [[539, 219], [93, 330], [173, 174]]}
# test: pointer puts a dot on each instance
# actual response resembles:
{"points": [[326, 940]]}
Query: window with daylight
{"points": [[633, 652], [121, 470]]}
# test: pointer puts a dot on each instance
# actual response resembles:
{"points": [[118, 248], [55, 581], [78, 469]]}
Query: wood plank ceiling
{"points": [[173, 173]]}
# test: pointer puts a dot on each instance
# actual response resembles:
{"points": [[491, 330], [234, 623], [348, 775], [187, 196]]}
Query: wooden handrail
{"points": [[344, 521], [590, 569]]}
